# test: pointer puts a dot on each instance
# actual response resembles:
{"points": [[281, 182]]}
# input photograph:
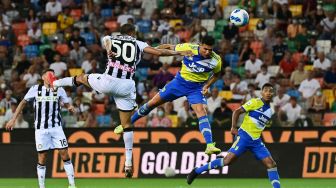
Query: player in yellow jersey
{"points": [[198, 72], [258, 116]]}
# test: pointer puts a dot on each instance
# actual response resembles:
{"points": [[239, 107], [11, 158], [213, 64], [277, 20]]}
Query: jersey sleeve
{"points": [[30, 95], [183, 47], [63, 95], [142, 45], [250, 105], [218, 67]]}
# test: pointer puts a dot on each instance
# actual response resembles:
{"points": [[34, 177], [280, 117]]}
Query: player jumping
{"points": [[258, 116], [118, 79], [198, 72], [49, 134]]}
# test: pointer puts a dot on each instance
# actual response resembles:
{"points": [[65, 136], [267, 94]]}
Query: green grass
{"points": [[170, 183]]}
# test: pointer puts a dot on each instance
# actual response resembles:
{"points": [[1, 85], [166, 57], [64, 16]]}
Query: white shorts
{"points": [[122, 90], [51, 138]]}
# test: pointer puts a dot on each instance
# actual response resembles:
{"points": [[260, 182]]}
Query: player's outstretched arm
{"points": [[166, 46], [70, 107], [10, 124], [165, 52], [235, 116]]}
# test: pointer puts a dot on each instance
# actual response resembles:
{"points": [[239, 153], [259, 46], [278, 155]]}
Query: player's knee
{"points": [[271, 164]]}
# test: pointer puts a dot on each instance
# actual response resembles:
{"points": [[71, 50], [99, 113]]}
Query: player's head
{"points": [[127, 29], [267, 92], [206, 46], [46, 73]]}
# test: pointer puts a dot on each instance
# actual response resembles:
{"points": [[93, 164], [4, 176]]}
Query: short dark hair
{"points": [[47, 70], [208, 40], [127, 29], [266, 85]]}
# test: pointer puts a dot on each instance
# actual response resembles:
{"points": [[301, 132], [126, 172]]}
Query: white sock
{"points": [[68, 81], [128, 140], [68, 167], [41, 171]]}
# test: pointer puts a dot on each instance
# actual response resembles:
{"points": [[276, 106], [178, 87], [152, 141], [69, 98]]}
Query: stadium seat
{"points": [[63, 49], [273, 69], [145, 26], [328, 93], [329, 119], [89, 38], [232, 60], [75, 71], [220, 24], [106, 13], [209, 24], [99, 109], [296, 10], [76, 14], [31, 51], [43, 47], [49, 28], [233, 106], [308, 67], [325, 45], [253, 24], [174, 120], [216, 34], [23, 40], [112, 25], [173, 22], [227, 95], [20, 28], [239, 70], [257, 47]]}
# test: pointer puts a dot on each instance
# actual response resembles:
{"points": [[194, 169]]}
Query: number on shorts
{"points": [[64, 143]]}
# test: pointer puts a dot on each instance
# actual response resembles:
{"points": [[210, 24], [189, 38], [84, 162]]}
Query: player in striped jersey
{"points": [[258, 115], [49, 134], [124, 53]]}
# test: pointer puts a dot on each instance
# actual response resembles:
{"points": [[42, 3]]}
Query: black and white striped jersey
{"points": [[129, 51], [47, 104]]}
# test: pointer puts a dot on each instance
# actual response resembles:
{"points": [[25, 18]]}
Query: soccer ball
{"points": [[169, 172], [239, 17]]}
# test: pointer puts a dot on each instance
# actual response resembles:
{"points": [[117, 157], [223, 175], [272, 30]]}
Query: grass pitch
{"points": [[170, 183]]}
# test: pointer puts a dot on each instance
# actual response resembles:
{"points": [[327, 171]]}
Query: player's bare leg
{"points": [[70, 81], [68, 167], [205, 128], [125, 120], [218, 163], [148, 107], [41, 168], [272, 171]]}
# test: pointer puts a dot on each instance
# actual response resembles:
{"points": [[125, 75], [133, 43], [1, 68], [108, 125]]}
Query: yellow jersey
{"points": [[197, 68], [258, 116]]}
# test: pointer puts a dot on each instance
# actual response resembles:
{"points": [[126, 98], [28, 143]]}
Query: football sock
{"points": [[141, 112], [273, 176], [204, 127], [68, 167], [212, 165], [41, 170], [67, 81], [128, 141]]}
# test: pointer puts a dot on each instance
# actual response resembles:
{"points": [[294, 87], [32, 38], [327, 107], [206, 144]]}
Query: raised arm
{"points": [[10, 124]]}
